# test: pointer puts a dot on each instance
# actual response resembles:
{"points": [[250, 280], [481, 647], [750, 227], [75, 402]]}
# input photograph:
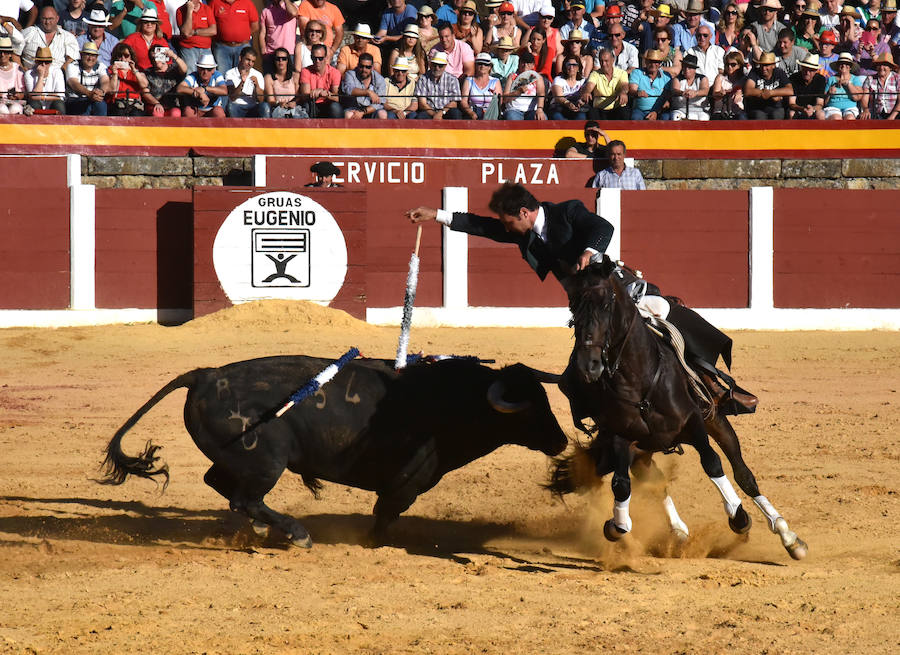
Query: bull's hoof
{"points": [[741, 522], [612, 531], [798, 549], [261, 529], [301, 541], [680, 536]]}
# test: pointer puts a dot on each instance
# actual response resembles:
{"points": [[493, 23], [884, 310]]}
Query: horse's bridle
{"points": [[609, 371]]}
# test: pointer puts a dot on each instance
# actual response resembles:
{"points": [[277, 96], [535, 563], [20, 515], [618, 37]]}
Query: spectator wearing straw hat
{"points": [[63, 46], [685, 32], [504, 61], [409, 48], [882, 97], [438, 91], [147, 36], [401, 101], [425, 21], [767, 90], [844, 89], [872, 44], [467, 29], [12, 80], [87, 84], [649, 89], [348, 56], [203, 92], [480, 90], [888, 19], [97, 21], [45, 85], [237, 22], [395, 20], [806, 24], [808, 99], [197, 24], [460, 57]]}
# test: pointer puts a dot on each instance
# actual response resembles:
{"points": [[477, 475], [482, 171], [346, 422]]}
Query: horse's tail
{"points": [[575, 471], [117, 466]]}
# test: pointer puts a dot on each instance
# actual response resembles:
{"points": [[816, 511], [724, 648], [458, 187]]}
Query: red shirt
{"points": [[128, 84], [200, 19], [142, 50], [234, 19], [165, 23], [330, 80]]}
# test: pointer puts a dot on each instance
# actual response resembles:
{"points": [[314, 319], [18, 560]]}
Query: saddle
{"points": [[711, 386]]}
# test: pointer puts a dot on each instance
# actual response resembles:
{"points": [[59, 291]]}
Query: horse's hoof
{"points": [[679, 535], [261, 529], [741, 522], [302, 542], [612, 531], [798, 549]]}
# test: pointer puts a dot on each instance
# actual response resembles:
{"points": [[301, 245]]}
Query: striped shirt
{"points": [[438, 93]]}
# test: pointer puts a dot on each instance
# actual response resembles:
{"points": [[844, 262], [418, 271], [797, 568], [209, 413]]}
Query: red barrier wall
{"points": [[34, 233], [836, 248], [693, 244], [212, 206], [144, 248]]}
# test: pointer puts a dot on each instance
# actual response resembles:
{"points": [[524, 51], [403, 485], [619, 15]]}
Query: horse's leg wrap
{"points": [[794, 545], [729, 495], [678, 526], [621, 517]]}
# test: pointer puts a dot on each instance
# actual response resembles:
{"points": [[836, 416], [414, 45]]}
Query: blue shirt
{"points": [[106, 48], [840, 99], [217, 79], [654, 88], [630, 178], [394, 24], [447, 13]]}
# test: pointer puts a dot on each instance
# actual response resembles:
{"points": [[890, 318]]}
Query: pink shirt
{"points": [[462, 53], [13, 79], [330, 80], [280, 27]]}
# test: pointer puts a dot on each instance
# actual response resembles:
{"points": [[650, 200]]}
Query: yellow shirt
{"points": [[398, 100], [604, 88]]}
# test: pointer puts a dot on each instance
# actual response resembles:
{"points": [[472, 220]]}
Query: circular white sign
{"points": [[280, 245]]}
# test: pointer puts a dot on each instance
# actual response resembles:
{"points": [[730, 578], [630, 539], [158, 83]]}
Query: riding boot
{"points": [[729, 401]]}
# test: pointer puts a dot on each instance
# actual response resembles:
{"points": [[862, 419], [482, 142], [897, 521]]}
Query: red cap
{"points": [[828, 37], [507, 6], [612, 12]]}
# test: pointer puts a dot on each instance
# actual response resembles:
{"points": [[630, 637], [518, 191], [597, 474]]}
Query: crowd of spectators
{"points": [[464, 59]]}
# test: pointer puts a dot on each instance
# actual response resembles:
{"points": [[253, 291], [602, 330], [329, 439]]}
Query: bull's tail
{"points": [[118, 466], [574, 471]]}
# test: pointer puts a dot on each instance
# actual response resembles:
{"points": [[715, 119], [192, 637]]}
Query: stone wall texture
{"points": [[860, 173]]}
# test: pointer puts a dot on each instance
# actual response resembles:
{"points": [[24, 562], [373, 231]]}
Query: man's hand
{"points": [[584, 260], [421, 214]]}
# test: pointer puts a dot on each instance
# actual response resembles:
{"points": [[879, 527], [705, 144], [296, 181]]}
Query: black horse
{"points": [[632, 385]]}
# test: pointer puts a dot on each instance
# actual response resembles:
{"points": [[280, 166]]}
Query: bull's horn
{"points": [[495, 398]]}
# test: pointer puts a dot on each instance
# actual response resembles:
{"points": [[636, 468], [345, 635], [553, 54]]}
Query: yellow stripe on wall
{"points": [[373, 138]]}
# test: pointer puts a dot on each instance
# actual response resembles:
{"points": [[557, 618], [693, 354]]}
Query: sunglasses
{"points": [[467, 12], [285, 58], [701, 35], [314, 58], [436, 65], [731, 12], [617, 36], [364, 67], [766, 10], [732, 64], [507, 13], [662, 38]]}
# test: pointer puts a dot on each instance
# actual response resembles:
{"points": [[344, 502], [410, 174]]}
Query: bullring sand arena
{"points": [[487, 562]]}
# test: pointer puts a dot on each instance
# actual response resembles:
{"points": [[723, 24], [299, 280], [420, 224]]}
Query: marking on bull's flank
{"points": [[245, 420], [222, 387], [252, 445], [321, 403], [355, 399]]}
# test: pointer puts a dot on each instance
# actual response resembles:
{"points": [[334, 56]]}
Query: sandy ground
{"points": [[486, 562]]}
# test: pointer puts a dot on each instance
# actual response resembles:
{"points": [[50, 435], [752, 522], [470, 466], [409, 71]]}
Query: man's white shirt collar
{"points": [[540, 224]]}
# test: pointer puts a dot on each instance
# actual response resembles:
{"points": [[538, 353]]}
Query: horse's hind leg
{"points": [[725, 436], [645, 471], [738, 519]]}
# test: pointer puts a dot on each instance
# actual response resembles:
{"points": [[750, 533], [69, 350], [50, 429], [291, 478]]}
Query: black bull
{"points": [[372, 428]]}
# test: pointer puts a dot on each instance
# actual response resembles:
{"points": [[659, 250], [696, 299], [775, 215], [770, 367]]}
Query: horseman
{"points": [[564, 238]]}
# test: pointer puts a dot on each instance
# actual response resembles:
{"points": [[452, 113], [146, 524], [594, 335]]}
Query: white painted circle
{"points": [[280, 245]]}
